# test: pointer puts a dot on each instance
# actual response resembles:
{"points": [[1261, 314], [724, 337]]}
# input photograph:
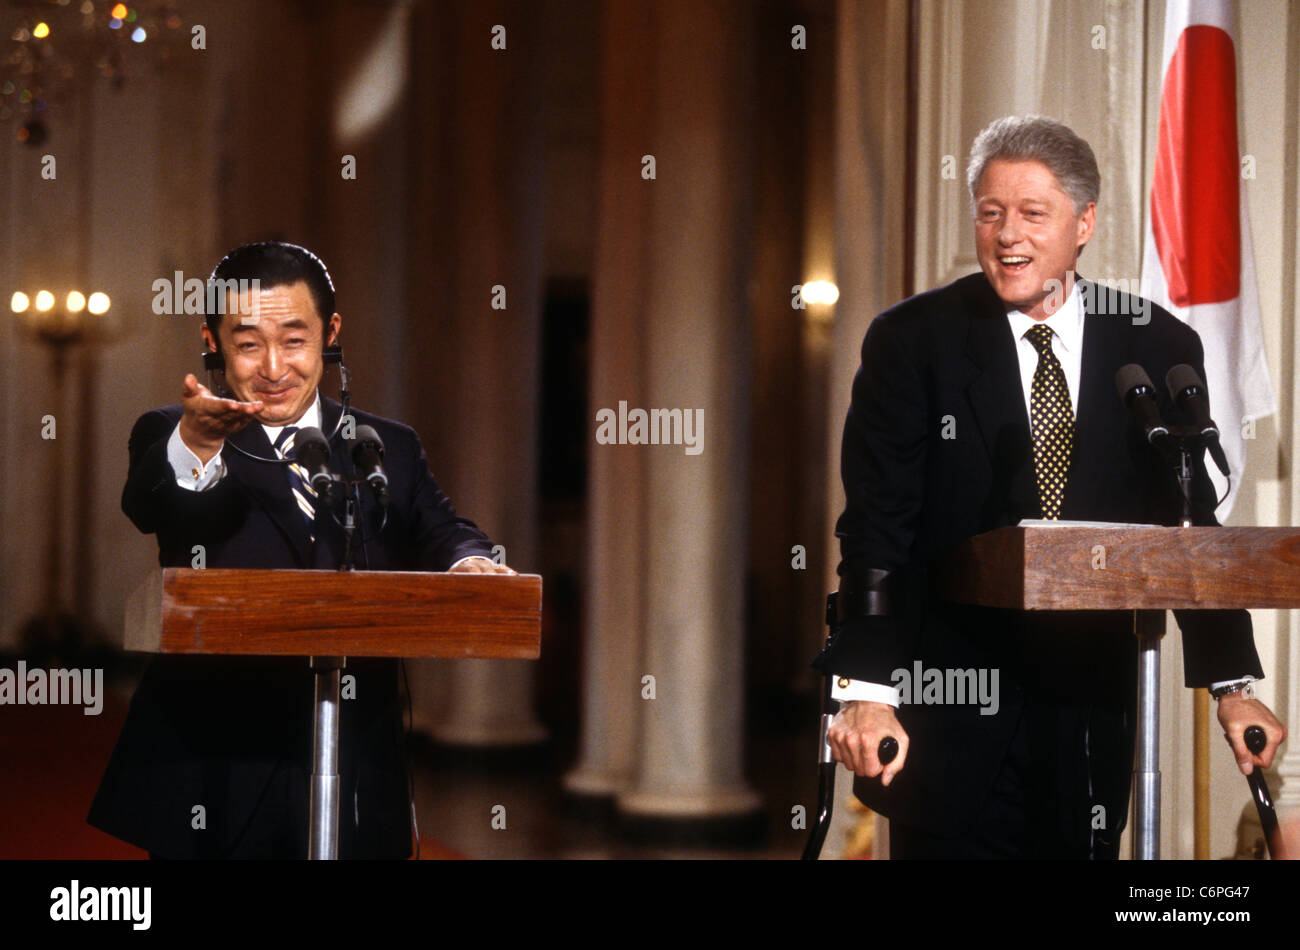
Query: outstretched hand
{"points": [[208, 420]]}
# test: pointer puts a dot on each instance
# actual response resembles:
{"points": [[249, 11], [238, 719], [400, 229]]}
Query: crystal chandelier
{"points": [[48, 46]]}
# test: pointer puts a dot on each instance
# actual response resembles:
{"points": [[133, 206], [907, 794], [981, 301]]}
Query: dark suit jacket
{"points": [[213, 731], [911, 492]]}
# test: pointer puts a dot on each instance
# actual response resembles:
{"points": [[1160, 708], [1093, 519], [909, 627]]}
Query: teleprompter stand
{"points": [[328, 616], [1148, 570]]}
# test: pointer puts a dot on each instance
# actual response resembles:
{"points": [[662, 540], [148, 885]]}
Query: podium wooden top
{"points": [[336, 613], [1080, 567]]}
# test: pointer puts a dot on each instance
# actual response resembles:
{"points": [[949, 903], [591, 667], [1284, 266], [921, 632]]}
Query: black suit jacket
{"points": [[213, 731], [946, 359]]}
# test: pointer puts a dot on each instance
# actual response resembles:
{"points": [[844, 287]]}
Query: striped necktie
{"points": [[303, 493], [1051, 420]]}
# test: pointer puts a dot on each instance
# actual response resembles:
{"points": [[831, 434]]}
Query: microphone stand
{"points": [[349, 524], [324, 806], [1183, 470], [1180, 451]]}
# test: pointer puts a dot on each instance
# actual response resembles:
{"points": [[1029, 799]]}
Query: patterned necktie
{"points": [[1051, 420], [303, 493]]}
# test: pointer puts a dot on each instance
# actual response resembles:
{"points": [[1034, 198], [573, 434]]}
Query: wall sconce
{"points": [[56, 325], [819, 296]]}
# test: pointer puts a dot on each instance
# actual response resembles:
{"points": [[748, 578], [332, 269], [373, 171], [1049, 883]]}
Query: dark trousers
{"points": [[1061, 793], [278, 828]]}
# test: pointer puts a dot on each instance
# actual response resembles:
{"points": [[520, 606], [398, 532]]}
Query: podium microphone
{"points": [[368, 457], [1138, 393], [312, 452], [1187, 390]]}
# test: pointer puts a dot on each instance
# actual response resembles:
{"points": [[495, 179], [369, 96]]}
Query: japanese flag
{"points": [[1197, 261]]}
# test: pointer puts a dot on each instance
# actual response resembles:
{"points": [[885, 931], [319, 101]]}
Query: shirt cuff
{"points": [[846, 690], [481, 557], [190, 472]]}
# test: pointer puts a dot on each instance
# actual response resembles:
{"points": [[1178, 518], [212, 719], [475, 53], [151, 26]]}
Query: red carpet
{"points": [[51, 760], [53, 757]]}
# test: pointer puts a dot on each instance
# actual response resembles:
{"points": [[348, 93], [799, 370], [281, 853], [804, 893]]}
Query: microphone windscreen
{"points": [[367, 434], [310, 445], [1180, 377], [1131, 375]]}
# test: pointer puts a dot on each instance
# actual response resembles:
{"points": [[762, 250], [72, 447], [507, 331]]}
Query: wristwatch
{"points": [[1244, 686]]}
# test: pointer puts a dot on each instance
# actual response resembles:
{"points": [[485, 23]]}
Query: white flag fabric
{"points": [[1197, 261]]}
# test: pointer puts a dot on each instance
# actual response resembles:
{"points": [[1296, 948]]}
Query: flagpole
{"points": [[1201, 773]]}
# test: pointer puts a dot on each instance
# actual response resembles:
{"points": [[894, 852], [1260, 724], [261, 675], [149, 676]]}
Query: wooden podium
{"points": [[1147, 570], [328, 616]]}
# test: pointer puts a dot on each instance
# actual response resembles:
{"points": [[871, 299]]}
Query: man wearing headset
{"points": [[214, 758]]}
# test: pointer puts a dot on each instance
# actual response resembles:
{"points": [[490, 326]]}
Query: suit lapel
{"points": [[998, 401], [268, 485]]}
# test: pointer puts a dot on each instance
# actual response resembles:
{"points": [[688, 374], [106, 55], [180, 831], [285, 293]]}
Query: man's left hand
{"points": [[481, 565], [1236, 714]]}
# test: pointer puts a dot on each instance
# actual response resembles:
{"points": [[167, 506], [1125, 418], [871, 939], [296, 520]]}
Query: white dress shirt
{"points": [[1067, 345]]}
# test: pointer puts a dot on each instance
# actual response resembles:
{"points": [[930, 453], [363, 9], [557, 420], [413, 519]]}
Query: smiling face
{"points": [[272, 344], [1027, 235]]}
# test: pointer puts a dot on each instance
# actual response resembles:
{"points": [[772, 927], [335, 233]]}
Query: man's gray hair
{"points": [[1036, 137]]}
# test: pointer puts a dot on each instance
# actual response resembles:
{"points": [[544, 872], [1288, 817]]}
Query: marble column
{"points": [[616, 493], [480, 161], [688, 755]]}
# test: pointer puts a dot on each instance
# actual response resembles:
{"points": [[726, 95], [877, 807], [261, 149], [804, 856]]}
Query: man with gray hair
{"points": [[977, 405]]}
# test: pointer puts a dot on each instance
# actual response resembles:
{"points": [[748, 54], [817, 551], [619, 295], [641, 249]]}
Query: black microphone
{"points": [[311, 450], [1137, 392], [1187, 390], [368, 457]]}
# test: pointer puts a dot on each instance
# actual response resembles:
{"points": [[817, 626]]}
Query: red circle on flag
{"points": [[1195, 203]]}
